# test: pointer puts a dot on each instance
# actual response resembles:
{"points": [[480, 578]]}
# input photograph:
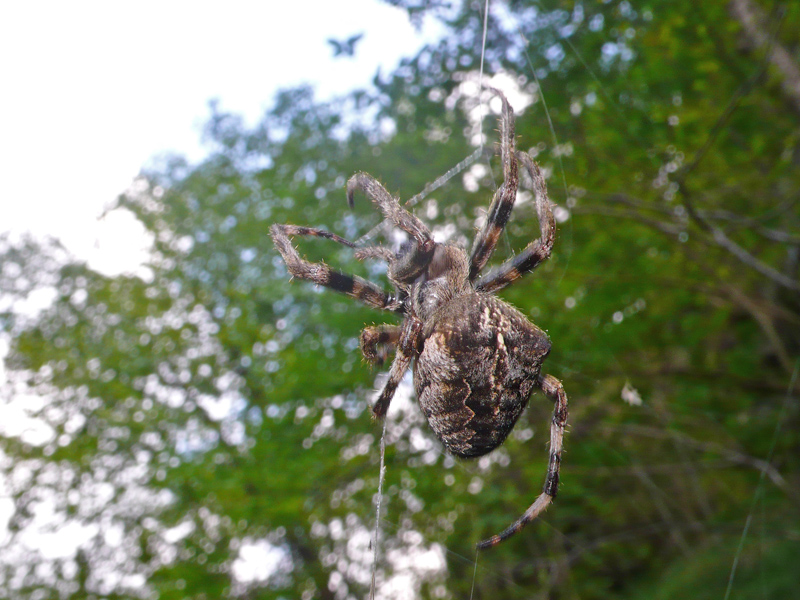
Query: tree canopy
{"points": [[202, 428]]}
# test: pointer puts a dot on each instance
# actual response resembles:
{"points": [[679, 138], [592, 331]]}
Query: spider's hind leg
{"points": [[554, 390]]}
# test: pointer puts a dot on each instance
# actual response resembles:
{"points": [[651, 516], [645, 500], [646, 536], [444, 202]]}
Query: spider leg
{"points": [[538, 250], [381, 252], [412, 263], [504, 197], [389, 205], [376, 342], [312, 231], [395, 272], [553, 388], [322, 274], [406, 344]]}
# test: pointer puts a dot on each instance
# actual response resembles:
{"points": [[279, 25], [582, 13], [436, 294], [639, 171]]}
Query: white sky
{"points": [[90, 91]]}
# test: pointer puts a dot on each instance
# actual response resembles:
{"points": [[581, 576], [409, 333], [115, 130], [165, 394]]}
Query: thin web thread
{"points": [[474, 574], [431, 187], [458, 168], [381, 477], [441, 180], [757, 494], [480, 74], [552, 133], [411, 202], [480, 149], [507, 580]]}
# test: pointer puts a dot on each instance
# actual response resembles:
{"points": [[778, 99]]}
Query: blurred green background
{"points": [[207, 424]]}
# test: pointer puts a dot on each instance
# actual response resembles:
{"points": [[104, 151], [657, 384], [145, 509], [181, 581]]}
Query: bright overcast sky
{"points": [[91, 91]]}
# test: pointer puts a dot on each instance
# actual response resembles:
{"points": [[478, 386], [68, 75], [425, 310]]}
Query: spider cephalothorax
{"points": [[476, 359]]}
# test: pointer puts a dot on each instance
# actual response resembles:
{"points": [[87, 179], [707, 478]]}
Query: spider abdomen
{"points": [[478, 363]]}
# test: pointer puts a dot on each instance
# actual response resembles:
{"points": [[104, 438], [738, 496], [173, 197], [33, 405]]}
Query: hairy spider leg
{"points": [[406, 267], [388, 204], [409, 334], [376, 342], [553, 388], [289, 230], [400, 272], [322, 274], [381, 252], [504, 197], [538, 250]]}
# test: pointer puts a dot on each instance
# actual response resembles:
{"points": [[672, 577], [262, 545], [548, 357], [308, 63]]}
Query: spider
{"points": [[476, 359]]}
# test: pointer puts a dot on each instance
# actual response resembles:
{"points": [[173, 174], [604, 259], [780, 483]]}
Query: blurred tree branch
{"points": [[753, 21]]}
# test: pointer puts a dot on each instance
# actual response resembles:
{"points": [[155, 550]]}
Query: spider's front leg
{"points": [[554, 390], [409, 265], [406, 347], [504, 197], [538, 250], [322, 274]]}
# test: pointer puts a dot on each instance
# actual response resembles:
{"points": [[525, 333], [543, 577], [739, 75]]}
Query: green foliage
{"points": [[210, 407], [763, 571]]}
